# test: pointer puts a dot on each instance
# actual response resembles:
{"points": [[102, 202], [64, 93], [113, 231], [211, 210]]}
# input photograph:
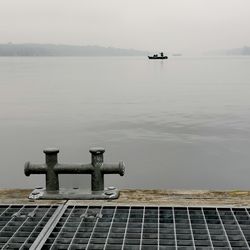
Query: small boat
{"points": [[155, 56]]}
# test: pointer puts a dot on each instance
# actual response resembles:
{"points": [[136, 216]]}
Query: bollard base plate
{"points": [[74, 194]]}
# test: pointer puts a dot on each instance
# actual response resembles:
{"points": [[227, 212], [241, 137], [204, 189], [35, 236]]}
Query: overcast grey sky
{"points": [[169, 25]]}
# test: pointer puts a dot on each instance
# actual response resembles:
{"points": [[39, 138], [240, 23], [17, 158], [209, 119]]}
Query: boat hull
{"points": [[158, 57]]}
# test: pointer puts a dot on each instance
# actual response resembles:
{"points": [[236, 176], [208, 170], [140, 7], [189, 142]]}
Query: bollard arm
{"points": [[113, 168], [34, 168], [74, 169], [122, 167]]}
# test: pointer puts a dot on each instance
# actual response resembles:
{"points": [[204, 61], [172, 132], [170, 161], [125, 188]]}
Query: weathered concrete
{"points": [[235, 198], [20, 196]]}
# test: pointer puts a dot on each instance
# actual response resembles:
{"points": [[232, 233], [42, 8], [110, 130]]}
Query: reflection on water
{"points": [[179, 123]]}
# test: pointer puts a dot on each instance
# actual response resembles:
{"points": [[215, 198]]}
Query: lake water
{"points": [[178, 123]]}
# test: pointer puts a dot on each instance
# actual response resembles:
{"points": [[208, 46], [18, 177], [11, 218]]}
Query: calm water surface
{"points": [[180, 123]]}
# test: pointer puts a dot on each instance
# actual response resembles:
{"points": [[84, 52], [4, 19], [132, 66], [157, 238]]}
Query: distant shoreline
{"points": [[72, 56], [36, 50]]}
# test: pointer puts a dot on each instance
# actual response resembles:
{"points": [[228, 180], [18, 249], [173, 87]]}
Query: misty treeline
{"points": [[11, 49]]}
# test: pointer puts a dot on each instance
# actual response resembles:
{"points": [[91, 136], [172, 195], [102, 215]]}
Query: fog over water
{"points": [[192, 26], [179, 123]]}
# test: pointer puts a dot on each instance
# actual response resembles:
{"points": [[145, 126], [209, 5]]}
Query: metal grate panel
{"points": [[135, 228], [20, 225]]}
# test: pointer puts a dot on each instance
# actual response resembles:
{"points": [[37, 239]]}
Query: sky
{"points": [[169, 25]]}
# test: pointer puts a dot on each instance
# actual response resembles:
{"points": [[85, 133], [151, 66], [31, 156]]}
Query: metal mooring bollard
{"points": [[97, 169]]}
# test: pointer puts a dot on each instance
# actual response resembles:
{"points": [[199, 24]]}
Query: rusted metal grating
{"points": [[134, 228], [20, 225]]}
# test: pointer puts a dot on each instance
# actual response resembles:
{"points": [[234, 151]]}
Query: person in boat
{"points": [[162, 54]]}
